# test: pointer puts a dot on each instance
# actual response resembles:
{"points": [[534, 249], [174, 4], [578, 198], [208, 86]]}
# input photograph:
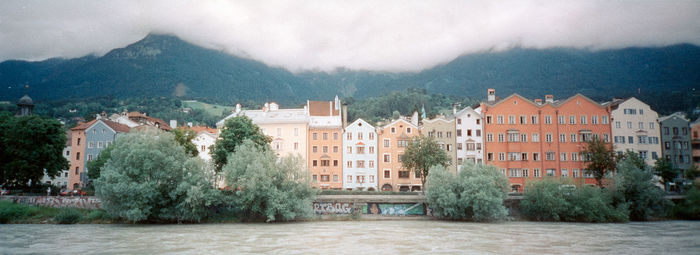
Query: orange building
{"points": [[325, 143], [393, 139], [533, 139]]}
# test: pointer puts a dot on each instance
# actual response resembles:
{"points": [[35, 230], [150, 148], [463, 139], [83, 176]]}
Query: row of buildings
{"points": [[524, 138]]}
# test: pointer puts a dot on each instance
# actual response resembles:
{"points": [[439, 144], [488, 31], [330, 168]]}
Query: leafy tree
{"points": [[184, 138], [267, 187], [236, 130], [28, 146], [560, 200], [692, 172], [689, 208], [150, 178], [599, 158], [635, 187], [476, 193], [95, 166], [664, 169], [423, 153]]}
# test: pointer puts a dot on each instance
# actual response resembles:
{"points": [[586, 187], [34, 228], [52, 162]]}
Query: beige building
{"points": [[325, 142], [635, 128], [393, 139], [443, 130], [288, 128]]}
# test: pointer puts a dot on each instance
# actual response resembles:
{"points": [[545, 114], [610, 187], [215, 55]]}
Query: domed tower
{"points": [[25, 106]]}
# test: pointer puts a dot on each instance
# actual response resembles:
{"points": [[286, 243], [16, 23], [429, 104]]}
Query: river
{"points": [[357, 237]]}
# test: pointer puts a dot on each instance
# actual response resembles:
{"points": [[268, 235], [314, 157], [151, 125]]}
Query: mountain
{"points": [[162, 65]]}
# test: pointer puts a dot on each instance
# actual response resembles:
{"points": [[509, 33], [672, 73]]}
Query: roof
{"points": [[555, 104], [200, 129], [119, 128], [25, 100], [323, 108], [675, 114], [160, 123]]}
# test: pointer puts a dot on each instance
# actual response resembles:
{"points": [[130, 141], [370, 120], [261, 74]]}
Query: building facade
{"points": [[695, 142], [87, 141], [61, 180], [360, 156], [533, 139], [288, 128], [675, 137], [325, 143], [634, 128], [205, 139], [469, 139], [393, 139], [443, 130]]}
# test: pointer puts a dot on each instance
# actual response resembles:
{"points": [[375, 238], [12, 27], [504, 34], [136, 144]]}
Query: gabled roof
{"points": [[468, 110], [161, 123], [675, 114], [555, 104], [399, 120], [200, 129], [358, 121], [119, 128]]}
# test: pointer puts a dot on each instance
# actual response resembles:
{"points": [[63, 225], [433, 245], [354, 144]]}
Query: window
{"points": [[478, 146], [404, 174], [564, 172], [594, 120], [296, 146], [499, 119], [549, 156], [459, 121], [562, 119], [489, 156], [459, 146], [536, 172], [478, 133], [325, 136], [643, 154], [79, 139], [325, 149], [314, 162], [371, 149], [459, 133], [523, 119], [314, 149], [535, 137], [488, 119], [511, 119], [360, 164], [562, 156], [617, 124], [665, 133], [393, 130], [371, 179], [562, 138], [76, 169], [371, 135], [513, 136], [630, 140], [100, 144], [448, 134], [630, 111], [548, 119], [654, 155], [651, 125], [386, 143], [335, 162], [387, 158], [348, 179], [314, 136], [402, 143], [335, 149], [489, 137], [360, 179], [629, 125], [439, 134], [523, 138], [514, 172], [574, 172], [77, 155], [315, 178], [359, 136], [325, 178], [348, 164], [536, 156], [548, 138], [604, 119], [513, 156], [296, 131], [523, 156], [525, 173], [91, 144], [501, 137], [371, 163], [348, 136], [360, 149], [584, 120], [641, 125], [348, 150], [408, 130], [325, 162], [387, 174], [533, 119], [501, 156], [574, 156], [89, 157], [551, 172]]}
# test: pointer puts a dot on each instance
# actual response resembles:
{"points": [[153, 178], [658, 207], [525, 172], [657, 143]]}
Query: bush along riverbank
{"points": [[12, 213]]}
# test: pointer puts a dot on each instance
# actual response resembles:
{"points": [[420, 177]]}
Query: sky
{"points": [[326, 35]]}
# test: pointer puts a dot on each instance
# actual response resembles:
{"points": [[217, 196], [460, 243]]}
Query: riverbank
{"points": [[15, 213]]}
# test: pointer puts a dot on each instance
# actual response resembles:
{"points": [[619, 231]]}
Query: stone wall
{"points": [[54, 201]]}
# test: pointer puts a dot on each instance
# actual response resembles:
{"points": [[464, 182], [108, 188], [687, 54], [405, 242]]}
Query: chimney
{"points": [[266, 107], [549, 98], [491, 95], [238, 108], [345, 115], [538, 101], [97, 116], [173, 123]]}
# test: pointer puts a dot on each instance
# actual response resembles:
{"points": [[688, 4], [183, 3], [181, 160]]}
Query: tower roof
{"points": [[25, 100]]}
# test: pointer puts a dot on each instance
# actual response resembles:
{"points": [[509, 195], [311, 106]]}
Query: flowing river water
{"points": [[357, 237]]}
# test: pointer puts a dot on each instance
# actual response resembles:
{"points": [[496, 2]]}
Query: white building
{"points": [[288, 128], [61, 179], [469, 137], [205, 139], [360, 148], [635, 128]]}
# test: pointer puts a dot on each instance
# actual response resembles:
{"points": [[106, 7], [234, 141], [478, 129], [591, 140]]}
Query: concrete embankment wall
{"points": [[54, 201]]}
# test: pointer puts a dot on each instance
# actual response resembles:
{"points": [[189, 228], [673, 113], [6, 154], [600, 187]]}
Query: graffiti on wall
{"points": [[333, 208], [77, 202], [393, 209]]}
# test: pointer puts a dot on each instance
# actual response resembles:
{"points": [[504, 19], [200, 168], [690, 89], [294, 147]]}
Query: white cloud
{"points": [[325, 35]]}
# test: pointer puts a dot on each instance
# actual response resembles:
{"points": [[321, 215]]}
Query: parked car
{"points": [[64, 192]]}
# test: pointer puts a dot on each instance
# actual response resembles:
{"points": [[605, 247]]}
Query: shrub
{"points": [[559, 200], [634, 186], [477, 193], [268, 188], [68, 216], [690, 207], [150, 178], [97, 215]]}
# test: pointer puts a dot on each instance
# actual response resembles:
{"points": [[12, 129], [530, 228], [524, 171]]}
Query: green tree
{"points": [[421, 154], [150, 178], [692, 172], [599, 159], [28, 146], [635, 187], [476, 193], [664, 169], [95, 166], [184, 138], [267, 187], [236, 130]]}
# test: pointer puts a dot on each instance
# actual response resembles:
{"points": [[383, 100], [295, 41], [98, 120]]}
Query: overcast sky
{"points": [[324, 35]]}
